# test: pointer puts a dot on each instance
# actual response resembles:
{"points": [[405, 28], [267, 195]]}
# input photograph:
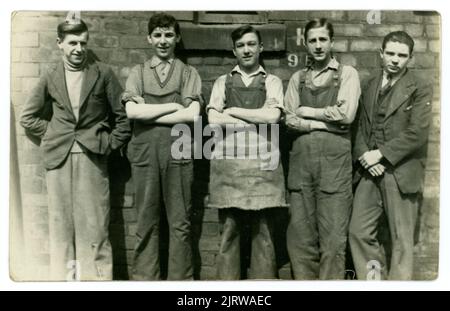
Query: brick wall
{"points": [[119, 39]]}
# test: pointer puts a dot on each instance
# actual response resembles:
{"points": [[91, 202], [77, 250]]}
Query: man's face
{"points": [[164, 41], [74, 47], [319, 44], [395, 57], [247, 50]]}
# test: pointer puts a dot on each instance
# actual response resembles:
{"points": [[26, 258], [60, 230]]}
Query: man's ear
{"points": [[261, 47], [234, 51], [149, 40], [178, 39], [58, 42], [381, 53]]}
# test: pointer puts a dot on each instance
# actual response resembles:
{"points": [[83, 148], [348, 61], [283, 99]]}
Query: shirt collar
{"points": [[155, 61], [258, 71], [332, 64]]}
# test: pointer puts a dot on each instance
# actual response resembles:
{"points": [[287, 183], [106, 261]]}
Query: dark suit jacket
{"points": [[102, 124], [405, 128]]}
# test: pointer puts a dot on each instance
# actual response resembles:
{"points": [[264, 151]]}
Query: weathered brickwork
{"points": [[119, 39]]}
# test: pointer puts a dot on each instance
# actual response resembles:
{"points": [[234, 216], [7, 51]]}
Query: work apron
{"points": [[245, 183]]}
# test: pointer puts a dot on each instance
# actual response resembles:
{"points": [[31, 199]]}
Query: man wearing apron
{"points": [[321, 103], [241, 188], [160, 93], [390, 149]]}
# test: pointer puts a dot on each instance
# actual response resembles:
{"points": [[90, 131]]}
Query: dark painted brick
{"points": [[212, 60], [195, 60], [213, 37]]}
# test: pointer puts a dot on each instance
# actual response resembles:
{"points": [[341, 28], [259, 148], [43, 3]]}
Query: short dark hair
{"points": [[241, 31], [318, 23], [163, 20], [70, 27], [399, 36]]}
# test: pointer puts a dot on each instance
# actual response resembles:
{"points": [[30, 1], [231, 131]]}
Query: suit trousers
{"points": [[372, 197], [78, 210]]}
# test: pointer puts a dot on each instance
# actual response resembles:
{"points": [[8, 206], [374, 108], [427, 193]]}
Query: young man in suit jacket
{"points": [[82, 95], [390, 148]]}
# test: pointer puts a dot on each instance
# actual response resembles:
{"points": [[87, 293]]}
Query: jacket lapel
{"points": [[372, 95], [91, 76], [59, 81], [402, 91]]}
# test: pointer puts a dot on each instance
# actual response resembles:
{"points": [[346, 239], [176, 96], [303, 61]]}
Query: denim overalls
{"points": [[319, 182], [160, 179]]}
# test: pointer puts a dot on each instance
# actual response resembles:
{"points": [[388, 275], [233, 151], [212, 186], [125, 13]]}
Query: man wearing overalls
{"points": [[160, 93], [390, 149], [240, 188], [321, 103]]}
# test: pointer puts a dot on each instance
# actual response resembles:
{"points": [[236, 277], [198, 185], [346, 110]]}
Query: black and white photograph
{"points": [[174, 145]]}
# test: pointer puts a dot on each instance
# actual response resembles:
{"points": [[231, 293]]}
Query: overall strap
{"points": [[302, 78], [337, 75], [142, 78]]}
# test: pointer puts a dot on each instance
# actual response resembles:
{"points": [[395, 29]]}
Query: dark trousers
{"points": [[262, 257], [372, 197], [161, 175]]}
